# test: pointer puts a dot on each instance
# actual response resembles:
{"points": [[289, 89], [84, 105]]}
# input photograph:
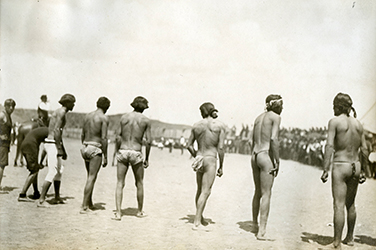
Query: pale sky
{"points": [[179, 54]]}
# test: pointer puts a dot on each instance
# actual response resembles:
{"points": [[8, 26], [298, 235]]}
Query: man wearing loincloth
{"points": [[265, 160], [30, 150], [55, 149], [209, 134], [5, 136], [134, 127], [94, 140], [344, 143]]}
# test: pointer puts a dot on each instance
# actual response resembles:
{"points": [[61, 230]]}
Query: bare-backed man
{"points": [[134, 127], [345, 142], [265, 160], [54, 147], [5, 136], [94, 150], [209, 134]]}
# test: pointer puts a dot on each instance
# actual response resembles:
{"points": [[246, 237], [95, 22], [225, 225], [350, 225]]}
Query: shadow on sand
{"points": [[363, 239], [320, 239], [190, 218], [8, 189], [130, 211], [248, 226]]}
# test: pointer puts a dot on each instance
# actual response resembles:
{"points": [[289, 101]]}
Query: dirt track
{"points": [[300, 214]]}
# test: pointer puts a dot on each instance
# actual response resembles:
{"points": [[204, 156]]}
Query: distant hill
{"points": [[75, 119]]}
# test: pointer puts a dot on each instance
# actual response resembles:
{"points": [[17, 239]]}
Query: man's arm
{"points": [[83, 132], [364, 153], [58, 134], [190, 143], [148, 144], [104, 140], [274, 143], [329, 149], [221, 152]]}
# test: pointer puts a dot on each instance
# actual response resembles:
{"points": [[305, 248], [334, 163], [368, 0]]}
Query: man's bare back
{"points": [[265, 129], [348, 138], [133, 127], [344, 142], [95, 126], [208, 134], [265, 160]]}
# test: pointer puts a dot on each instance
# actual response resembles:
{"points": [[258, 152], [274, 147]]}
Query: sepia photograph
{"points": [[187, 125]]}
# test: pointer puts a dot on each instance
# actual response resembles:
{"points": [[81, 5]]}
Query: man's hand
{"points": [[104, 162], [61, 152], [324, 176], [146, 164], [362, 177], [275, 170], [220, 172]]}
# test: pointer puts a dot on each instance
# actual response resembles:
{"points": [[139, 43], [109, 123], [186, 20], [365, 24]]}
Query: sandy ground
{"points": [[300, 216]]}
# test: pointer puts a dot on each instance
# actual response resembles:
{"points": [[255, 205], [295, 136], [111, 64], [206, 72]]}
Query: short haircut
{"points": [[9, 102], [140, 103], [67, 98], [273, 101], [103, 103]]}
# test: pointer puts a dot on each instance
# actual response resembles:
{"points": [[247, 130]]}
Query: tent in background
{"points": [[369, 120]]}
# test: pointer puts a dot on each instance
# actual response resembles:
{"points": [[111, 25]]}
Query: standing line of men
{"points": [[345, 142]]}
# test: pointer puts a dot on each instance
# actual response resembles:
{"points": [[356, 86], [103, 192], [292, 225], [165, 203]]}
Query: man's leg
{"points": [[42, 199], [257, 194], [1, 175], [339, 189], [138, 172], [92, 169], [266, 184], [52, 172], [30, 179], [36, 194], [207, 180], [352, 187], [121, 173], [57, 180]]}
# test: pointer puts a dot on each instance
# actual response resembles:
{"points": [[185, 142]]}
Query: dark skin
{"points": [[266, 166], [345, 140]]}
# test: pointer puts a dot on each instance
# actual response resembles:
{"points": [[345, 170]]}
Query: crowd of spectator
{"points": [[304, 146]]}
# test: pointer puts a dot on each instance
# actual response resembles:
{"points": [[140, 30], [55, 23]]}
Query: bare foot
{"points": [[43, 204], [85, 211], [141, 214], [348, 241], [337, 246], [25, 199], [116, 217], [262, 237], [201, 228]]}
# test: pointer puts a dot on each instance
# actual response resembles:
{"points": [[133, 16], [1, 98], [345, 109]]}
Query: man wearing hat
{"points": [[55, 149], [134, 127], [5, 133], [209, 134], [265, 160], [43, 109]]}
